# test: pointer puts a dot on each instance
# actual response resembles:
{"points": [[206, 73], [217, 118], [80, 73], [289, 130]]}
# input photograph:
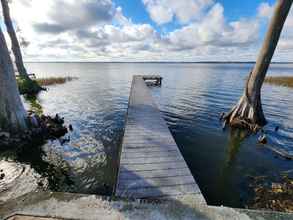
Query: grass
{"points": [[54, 80], [280, 80], [29, 87], [33, 86], [34, 103]]}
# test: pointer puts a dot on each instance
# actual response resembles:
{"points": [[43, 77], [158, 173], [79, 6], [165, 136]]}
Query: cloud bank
{"points": [[91, 30]]}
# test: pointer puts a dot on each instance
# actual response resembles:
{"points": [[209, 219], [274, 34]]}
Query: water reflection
{"points": [[17, 179], [192, 97], [237, 136], [28, 169]]}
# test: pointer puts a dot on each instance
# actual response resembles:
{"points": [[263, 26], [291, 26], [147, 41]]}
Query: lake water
{"points": [[191, 98]]}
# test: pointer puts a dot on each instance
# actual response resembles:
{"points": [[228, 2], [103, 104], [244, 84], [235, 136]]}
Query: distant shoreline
{"points": [[162, 62]]}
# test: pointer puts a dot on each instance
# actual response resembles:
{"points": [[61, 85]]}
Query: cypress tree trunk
{"points": [[12, 113], [14, 41], [34, 88], [248, 113]]}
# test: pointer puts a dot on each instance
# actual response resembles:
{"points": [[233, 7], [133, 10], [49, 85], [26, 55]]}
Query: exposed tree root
{"points": [[247, 114], [40, 128]]}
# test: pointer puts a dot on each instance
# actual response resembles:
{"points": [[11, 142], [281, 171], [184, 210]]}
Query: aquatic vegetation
{"points": [[35, 105], [280, 80], [29, 87], [273, 195], [32, 87], [54, 80]]}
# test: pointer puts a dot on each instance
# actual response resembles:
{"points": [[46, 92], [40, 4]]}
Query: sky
{"points": [[145, 30]]}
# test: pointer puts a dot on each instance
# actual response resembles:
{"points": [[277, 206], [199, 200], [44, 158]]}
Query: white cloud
{"points": [[54, 26], [212, 30], [163, 11], [285, 44], [265, 10], [62, 15], [90, 30]]}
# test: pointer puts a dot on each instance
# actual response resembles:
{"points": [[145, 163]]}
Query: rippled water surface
{"points": [[192, 97]]}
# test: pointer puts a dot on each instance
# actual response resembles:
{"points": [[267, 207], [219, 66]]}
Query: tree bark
{"points": [[14, 41], [13, 116], [248, 112]]}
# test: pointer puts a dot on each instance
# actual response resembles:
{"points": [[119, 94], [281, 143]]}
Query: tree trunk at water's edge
{"points": [[14, 41], [34, 87], [248, 113], [12, 113]]}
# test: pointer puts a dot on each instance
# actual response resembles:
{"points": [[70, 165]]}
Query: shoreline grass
{"points": [[30, 86], [26, 86], [286, 81], [54, 80]]}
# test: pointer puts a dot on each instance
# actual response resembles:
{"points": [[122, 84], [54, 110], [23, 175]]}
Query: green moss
{"points": [[28, 86], [35, 105]]}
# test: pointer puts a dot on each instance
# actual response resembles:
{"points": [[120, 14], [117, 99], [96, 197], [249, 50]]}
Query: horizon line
{"points": [[244, 62]]}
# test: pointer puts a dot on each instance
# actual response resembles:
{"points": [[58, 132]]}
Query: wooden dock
{"points": [[151, 165], [152, 80]]}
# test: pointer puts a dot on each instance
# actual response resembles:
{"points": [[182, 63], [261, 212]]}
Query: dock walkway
{"points": [[151, 165]]}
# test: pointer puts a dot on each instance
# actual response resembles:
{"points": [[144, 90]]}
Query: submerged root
{"points": [[246, 115], [41, 128]]}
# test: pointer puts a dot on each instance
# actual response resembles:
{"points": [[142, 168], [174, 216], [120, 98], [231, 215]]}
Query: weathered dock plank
{"points": [[151, 160], [158, 192], [158, 182], [151, 154], [151, 164], [153, 174]]}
